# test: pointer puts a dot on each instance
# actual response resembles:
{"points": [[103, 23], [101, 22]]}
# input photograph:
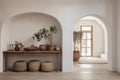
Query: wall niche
{"points": [[21, 28]]}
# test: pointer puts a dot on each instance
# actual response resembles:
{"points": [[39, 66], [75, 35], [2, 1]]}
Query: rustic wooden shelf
{"points": [[40, 53]]}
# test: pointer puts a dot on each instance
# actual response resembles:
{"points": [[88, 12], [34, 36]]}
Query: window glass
{"points": [[84, 43], [88, 51], [88, 43], [86, 28], [88, 35]]}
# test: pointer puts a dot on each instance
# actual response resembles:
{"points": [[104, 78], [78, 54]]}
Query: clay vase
{"points": [[42, 47], [50, 47]]}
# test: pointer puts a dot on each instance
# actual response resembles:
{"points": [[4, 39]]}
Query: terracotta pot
{"points": [[50, 47], [42, 47]]}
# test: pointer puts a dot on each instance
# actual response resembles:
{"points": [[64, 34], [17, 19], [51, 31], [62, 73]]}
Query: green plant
{"points": [[19, 44], [77, 35], [53, 30], [44, 33]]}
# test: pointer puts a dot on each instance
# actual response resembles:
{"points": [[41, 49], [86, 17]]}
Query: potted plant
{"points": [[52, 31], [41, 34], [18, 46], [45, 34], [77, 35]]}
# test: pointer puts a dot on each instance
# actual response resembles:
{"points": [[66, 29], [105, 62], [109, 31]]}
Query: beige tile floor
{"points": [[81, 72]]}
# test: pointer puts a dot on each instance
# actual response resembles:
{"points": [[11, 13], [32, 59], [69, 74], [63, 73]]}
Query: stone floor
{"points": [[81, 72]]}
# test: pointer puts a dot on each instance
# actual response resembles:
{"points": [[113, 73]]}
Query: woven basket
{"points": [[34, 65], [76, 54], [20, 66], [47, 66]]}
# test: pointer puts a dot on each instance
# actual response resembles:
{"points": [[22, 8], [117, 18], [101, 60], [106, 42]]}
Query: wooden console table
{"points": [[18, 53]]}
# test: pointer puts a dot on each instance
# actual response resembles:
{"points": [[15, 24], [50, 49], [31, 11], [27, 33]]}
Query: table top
{"points": [[31, 52]]}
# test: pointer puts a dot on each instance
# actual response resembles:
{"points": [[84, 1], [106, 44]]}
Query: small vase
{"points": [[50, 47], [42, 47]]}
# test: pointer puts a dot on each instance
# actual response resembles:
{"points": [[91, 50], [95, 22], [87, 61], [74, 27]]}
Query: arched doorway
{"points": [[22, 26], [94, 41]]}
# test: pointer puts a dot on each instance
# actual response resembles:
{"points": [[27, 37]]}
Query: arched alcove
{"points": [[102, 26], [21, 27]]}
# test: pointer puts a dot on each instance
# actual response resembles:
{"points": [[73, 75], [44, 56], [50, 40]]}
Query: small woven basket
{"points": [[47, 66], [34, 65], [20, 66]]}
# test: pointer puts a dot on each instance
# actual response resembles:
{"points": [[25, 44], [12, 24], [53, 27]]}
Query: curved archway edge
{"points": [[108, 40], [29, 13]]}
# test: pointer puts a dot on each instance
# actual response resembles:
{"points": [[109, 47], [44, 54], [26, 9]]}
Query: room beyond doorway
{"points": [[94, 38]]}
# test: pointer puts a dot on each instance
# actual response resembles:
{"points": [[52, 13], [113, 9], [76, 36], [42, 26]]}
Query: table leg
{"points": [[58, 62], [5, 62]]}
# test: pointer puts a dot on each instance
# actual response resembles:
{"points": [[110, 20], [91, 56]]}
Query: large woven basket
{"points": [[47, 66], [34, 65], [76, 54], [20, 66]]}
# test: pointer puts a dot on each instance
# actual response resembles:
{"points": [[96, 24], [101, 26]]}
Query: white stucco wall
{"points": [[68, 13], [98, 36], [23, 27]]}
